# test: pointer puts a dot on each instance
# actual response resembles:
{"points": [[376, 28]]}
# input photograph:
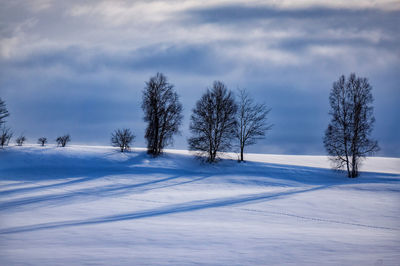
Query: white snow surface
{"points": [[88, 205]]}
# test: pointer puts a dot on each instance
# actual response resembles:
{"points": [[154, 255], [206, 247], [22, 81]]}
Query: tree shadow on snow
{"points": [[155, 173]]}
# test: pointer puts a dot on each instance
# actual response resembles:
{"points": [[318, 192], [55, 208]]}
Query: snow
{"points": [[84, 205]]}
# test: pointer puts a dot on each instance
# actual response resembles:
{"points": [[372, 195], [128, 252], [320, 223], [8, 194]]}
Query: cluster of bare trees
{"points": [[220, 121], [217, 121]]}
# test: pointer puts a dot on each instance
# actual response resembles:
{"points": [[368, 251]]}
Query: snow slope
{"points": [[84, 205]]}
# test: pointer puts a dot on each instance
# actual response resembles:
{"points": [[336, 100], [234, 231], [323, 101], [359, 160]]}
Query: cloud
{"points": [[199, 59], [369, 25], [87, 62], [349, 16]]}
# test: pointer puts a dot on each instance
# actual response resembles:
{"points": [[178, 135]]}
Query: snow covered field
{"points": [[93, 205]]}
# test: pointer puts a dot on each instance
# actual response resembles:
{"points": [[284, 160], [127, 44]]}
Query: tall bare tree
{"points": [[122, 138], [347, 138], [252, 122], [213, 122], [3, 111], [162, 112]]}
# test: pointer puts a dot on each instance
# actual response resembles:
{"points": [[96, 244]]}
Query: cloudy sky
{"points": [[79, 67]]}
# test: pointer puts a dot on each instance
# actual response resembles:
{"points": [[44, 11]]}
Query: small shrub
{"points": [[42, 141], [63, 140], [5, 136], [20, 140], [122, 138]]}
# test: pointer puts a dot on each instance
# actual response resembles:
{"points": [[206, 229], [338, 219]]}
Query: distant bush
{"points": [[5, 136], [122, 138], [42, 141], [20, 140], [63, 140]]}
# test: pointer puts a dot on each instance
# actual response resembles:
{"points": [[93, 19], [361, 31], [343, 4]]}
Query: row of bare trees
{"points": [[219, 120], [6, 133]]}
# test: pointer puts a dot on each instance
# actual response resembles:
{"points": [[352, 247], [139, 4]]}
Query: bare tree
{"points": [[63, 140], [347, 138], [3, 111], [20, 140], [213, 122], [162, 112], [5, 136], [42, 141], [251, 121], [122, 138]]}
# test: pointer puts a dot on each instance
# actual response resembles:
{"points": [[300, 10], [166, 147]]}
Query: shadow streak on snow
{"points": [[272, 174], [96, 174], [96, 192], [45, 166], [170, 209], [20, 165]]}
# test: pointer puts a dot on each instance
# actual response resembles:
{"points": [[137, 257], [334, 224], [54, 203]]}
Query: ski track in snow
{"points": [[321, 219]]}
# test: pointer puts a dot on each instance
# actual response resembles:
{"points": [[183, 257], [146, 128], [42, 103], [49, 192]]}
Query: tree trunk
{"points": [[214, 155], [155, 141], [354, 170], [348, 166]]}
